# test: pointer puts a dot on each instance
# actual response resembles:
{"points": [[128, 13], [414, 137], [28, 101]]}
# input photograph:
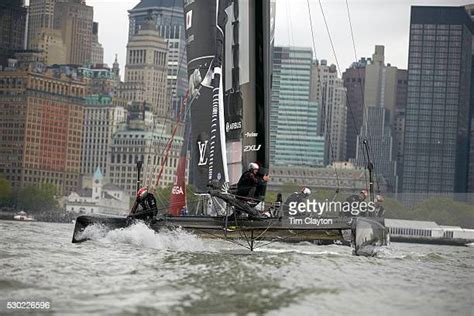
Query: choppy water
{"points": [[135, 271]]}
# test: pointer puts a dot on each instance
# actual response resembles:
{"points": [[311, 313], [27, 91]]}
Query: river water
{"points": [[135, 271]]}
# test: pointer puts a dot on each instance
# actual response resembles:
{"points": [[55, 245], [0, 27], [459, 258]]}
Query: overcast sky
{"points": [[375, 22]]}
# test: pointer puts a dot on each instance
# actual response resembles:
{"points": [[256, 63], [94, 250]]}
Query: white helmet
{"points": [[253, 166], [306, 191]]}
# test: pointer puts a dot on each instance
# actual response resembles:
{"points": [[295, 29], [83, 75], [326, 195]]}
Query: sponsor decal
{"points": [[232, 126], [189, 19], [202, 153], [248, 148], [177, 189], [251, 134]]}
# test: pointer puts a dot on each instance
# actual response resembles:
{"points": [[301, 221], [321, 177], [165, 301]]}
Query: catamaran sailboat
{"points": [[229, 66]]}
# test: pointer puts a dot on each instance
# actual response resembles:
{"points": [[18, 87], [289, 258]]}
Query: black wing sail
{"points": [[204, 51], [229, 65]]}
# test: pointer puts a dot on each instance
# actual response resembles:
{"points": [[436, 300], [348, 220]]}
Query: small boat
{"points": [[23, 216]]}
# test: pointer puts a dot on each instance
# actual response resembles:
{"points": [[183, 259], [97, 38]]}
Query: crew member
{"points": [[297, 197], [251, 183], [379, 209], [145, 199], [355, 200], [358, 198]]}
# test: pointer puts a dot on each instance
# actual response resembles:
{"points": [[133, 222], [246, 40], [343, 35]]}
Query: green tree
{"points": [[445, 211], [395, 209], [288, 187], [442, 210], [5, 192], [37, 198]]}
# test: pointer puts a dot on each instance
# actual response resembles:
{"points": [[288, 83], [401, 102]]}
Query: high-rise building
{"points": [[140, 139], [328, 90], [97, 51], [470, 11], [40, 16], [41, 118], [12, 28], [146, 67], [398, 127], [41, 34], [354, 82], [116, 67], [75, 21], [100, 79], [49, 42], [380, 97], [436, 145], [169, 19], [294, 119], [101, 121]]}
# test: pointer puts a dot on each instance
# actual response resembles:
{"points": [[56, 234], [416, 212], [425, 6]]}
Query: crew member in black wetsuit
{"points": [[379, 209], [355, 201], [358, 198], [298, 197], [145, 199], [251, 183]]}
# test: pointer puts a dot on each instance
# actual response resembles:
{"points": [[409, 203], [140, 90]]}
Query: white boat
{"points": [[23, 216]]}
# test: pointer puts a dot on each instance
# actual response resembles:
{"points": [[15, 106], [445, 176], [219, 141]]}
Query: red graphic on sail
{"points": [[178, 192]]}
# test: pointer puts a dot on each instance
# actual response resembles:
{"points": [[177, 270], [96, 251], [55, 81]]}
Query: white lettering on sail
{"points": [[251, 134], [189, 19], [252, 148], [232, 126], [202, 153], [177, 190]]}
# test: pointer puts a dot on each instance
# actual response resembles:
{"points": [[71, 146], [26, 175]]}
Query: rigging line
{"points": [[365, 169], [271, 241], [360, 77], [167, 149], [262, 234], [229, 239], [242, 233], [355, 53], [312, 31], [292, 76], [170, 91], [352, 31], [326, 133], [186, 106], [337, 62], [330, 39]]}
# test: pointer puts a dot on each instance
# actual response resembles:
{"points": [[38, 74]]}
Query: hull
{"points": [[268, 229], [369, 234]]}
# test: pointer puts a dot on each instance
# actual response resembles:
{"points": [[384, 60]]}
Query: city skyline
{"points": [[292, 91], [389, 27]]}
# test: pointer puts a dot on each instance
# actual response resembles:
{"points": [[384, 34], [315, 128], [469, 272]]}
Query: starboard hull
{"points": [[368, 234], [219, 227]]}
